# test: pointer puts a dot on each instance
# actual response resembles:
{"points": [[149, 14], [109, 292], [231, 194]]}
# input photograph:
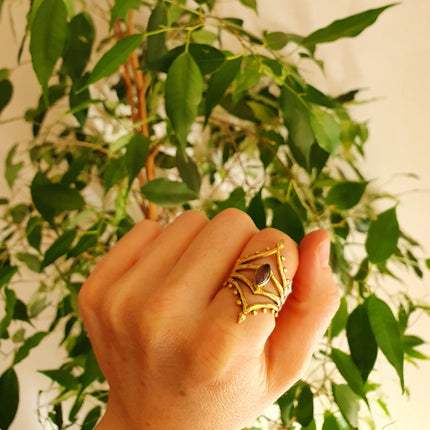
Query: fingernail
{"points": [[324, 253]]}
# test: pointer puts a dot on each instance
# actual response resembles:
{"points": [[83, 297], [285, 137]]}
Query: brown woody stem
{"points": [[141, 82]]}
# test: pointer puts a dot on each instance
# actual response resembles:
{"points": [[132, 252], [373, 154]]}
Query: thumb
{"points": [[306, 314]]}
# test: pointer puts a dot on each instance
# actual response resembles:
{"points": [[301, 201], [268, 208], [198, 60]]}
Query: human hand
{"points": [[165, 331]]}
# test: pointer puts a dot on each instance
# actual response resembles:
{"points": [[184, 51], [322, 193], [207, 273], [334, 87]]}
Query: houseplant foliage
{"points": [[174, 106]]}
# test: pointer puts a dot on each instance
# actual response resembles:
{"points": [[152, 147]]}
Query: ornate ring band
{"points": [[263, 274]]}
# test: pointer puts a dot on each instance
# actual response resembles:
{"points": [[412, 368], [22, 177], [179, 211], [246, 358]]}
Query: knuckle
{"points": [[145, 224], [112, 311], [236, 216], [86, 297], [194, 214]]}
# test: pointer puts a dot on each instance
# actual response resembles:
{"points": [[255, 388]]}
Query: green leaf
{"points": [[361, 340], [76, 407], [30, 260], [239, 109], [330, 422], [296, 118], [52, 199], [286, 403], [35, 4], [209, 3], [387, 334], [92, 369], [81, 41], [6, 274], [208, 58], [305, 406], [156, 43], [219, 83], [28, 345], [88, 239], [136, 155], [248, 78], [33, 232], [76, 165], [58, 248], [409, 344], [167, 193], [256, 211], [276, 40], [346, 194], [20, 311], [184, 88], [9, 398], [92, 418], [311, 426], [383, 235], [12, 170], [410, 341], [268, 145], [80, 103], [70, 6], [252, 4], [204, 37], [113, 172], [347, 27], [61, 377], [121, 8], [264, 113], [6, 91], [347, 402], [188, 171], [37, 306], [326, 130], [49, 32], [285, 218], [56, 416], [18, 336], [4, 74], [338, 323], [10, 303], [18, 213], [349, 371], [117, 145], [113, 59]]}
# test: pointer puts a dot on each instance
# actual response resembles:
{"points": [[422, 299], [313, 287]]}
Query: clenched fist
{"points": [[164, 325]]}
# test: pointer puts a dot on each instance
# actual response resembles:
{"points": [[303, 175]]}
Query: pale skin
{"points": [[165, 331]]}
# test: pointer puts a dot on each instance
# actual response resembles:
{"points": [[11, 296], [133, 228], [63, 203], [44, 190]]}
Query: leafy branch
{"points": [[159, 114]]}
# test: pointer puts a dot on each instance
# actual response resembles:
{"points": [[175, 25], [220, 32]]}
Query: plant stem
{"points": [[142, 83], [8, 120]]}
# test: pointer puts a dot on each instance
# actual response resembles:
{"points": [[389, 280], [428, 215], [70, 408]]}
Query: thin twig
{"points": [[142, 83]]}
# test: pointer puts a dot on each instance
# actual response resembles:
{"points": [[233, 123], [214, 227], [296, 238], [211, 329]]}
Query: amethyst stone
{"points": [[262, 275]]}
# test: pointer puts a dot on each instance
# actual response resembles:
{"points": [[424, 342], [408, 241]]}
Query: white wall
{"points": [[392, 60]]}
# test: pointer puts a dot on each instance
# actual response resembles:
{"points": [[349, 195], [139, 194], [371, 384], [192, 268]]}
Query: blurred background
{"points": [[391, 62]]}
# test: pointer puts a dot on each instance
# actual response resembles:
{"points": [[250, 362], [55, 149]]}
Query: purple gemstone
{"points": [[262, 275]]}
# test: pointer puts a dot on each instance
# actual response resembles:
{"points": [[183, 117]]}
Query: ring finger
{"points": [[247, 305]]}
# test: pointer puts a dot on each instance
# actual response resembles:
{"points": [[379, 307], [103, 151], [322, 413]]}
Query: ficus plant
{"points": [[169, 105]]}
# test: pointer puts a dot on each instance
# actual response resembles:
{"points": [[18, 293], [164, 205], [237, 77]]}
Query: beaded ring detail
{"points": [[263, 274]]}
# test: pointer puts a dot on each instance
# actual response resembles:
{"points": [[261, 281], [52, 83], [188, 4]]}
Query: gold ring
{"points": [[263, 274]]}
